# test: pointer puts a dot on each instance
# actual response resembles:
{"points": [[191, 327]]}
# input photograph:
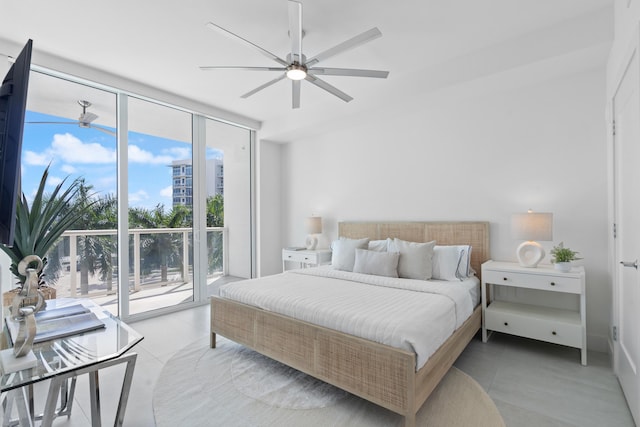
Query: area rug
{"points": [[233, 386]]}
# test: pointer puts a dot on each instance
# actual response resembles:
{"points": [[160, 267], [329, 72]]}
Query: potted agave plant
{"points": [[38, 228], [562, 257]]}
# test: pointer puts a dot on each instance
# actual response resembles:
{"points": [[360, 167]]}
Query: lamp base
{"points": [[530, 254], [312, 242]]}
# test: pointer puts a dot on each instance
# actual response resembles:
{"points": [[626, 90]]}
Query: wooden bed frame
{"points": [[379, 373]]}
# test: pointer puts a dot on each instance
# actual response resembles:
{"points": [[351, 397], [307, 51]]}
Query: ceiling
{"points": [[427, 45]]}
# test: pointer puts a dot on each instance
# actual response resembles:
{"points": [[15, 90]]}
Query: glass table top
{"points": [[62, 355]]}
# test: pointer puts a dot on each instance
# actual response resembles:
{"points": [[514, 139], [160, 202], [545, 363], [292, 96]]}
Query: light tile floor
{"points": [[532, 383]]}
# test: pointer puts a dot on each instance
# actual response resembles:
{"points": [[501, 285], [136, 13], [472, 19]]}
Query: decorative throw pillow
{"points": [[375, 262], [378, 245], [415, 258], [344, 252], [451, 262]]}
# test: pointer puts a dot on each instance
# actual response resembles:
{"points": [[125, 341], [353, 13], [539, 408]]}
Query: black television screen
{"points": [[13, 103]]}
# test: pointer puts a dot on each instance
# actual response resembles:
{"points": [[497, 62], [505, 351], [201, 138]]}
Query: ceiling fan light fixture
{"points": [[296, 71]]}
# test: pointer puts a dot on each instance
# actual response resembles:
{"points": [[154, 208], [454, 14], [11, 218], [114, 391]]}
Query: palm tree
{"points": [[161, 249], [215, 218], [96, 252], [215, 211]]}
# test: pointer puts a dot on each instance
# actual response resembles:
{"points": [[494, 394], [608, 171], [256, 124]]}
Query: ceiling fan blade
{"points": [[353, 42], [350, 72], [267, 84], [329, 88], [265, 52], [104, 130], [295, 30], [224, 67], [295, 93], [52, 123]]}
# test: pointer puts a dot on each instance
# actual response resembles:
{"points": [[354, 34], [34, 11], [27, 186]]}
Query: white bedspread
{"points": [[414, 315]]}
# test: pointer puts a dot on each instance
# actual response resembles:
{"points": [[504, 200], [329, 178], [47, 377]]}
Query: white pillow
{"points": [[378, 245], [451, 262], [376, 262], [344, 252], [415, 258]]}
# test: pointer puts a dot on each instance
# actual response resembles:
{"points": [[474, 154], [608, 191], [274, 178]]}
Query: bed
{"points": [[383, 374]]}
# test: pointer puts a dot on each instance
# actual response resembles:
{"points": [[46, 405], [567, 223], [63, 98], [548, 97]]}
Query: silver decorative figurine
{"points": [[26, 304]]}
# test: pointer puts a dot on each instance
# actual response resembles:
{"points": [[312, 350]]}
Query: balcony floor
{"points": [[150, 297]]}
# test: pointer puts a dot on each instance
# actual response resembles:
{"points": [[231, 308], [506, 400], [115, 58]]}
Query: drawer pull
{"points": [[553, 333], [505, 278], [553, 283], [506, 323]]}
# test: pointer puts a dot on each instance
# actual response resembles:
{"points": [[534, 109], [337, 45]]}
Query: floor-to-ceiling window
{"points": [[160, 172], [70, 129], [165, 261]]}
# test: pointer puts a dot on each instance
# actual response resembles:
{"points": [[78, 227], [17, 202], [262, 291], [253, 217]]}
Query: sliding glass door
{"points": [[171, 195], [160, 190]]}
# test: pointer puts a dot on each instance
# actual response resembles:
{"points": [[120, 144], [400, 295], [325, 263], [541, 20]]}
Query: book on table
{"points": [[59, 322]]}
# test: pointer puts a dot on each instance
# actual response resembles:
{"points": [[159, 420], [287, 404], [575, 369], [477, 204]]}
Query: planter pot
{"points": [[564, 267]]}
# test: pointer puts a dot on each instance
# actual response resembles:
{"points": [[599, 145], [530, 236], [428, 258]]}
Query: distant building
{"points": [[183, 180]]}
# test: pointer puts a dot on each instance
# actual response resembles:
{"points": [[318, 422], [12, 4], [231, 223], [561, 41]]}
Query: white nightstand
{"points": [[556, 325], [306, 257]]}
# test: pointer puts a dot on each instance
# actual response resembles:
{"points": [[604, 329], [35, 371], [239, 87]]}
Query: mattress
{"points": [[414, 315]]}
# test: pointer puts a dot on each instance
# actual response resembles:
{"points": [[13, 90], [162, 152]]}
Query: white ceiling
{"points": [[426, 45]]}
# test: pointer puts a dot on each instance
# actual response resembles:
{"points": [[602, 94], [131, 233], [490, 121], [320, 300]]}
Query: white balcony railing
{"points": [[136, 239]]}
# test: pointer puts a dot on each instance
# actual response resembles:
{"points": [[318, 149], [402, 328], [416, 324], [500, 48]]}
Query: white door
{"points": [[626, 112]]}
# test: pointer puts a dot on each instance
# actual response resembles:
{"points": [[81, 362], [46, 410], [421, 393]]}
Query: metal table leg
{"points": [[23, 397]]}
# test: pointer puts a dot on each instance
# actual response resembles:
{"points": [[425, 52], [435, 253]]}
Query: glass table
{"points": [[62, 360]]}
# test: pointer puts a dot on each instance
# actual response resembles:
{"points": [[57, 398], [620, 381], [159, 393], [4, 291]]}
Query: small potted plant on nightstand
{"points": [[562, 257]]}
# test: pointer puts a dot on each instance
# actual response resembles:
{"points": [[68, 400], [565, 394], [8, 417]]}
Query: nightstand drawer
{"points": [[544, 324], [303, 257], [544, 282]]}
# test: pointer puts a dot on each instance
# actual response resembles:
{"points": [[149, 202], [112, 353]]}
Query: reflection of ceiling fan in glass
{"points": [[84, 121], [297, 67]]}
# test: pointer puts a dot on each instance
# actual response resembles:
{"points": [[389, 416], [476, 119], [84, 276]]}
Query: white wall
{"points": [[269, 204], [455, 156], [235, 143]]}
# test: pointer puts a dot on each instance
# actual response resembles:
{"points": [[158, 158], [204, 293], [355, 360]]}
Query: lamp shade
{"points": [[532, 226], [314, 224]]}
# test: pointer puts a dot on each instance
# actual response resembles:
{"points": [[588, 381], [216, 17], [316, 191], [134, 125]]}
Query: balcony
{"points": [[158, 275]]}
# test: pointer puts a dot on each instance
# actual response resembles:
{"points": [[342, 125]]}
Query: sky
{"points": [[91, 154]]}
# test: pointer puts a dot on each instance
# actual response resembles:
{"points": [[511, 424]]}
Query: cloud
{"points": [[138, 196], [138, 155], [52, 181], [71, 150], [167, 191], [37, 159], [68, 169]]}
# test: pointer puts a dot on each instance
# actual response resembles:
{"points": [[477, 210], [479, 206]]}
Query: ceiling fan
{"points": [[296, 66], [84, 121]]}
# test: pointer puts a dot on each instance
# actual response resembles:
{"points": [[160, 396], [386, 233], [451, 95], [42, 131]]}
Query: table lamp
{"points": [[314, 226], [530, 227]]}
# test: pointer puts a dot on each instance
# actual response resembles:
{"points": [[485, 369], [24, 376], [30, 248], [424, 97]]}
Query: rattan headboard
{"points": [[475, 234]]}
